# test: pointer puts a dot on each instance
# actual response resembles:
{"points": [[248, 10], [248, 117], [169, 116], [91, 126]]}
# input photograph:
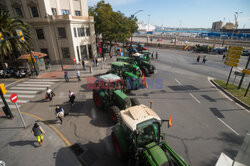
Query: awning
{"points": [[27, 56]]}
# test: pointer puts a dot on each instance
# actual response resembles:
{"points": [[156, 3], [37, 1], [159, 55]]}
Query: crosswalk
{"points": [[27, 90]]}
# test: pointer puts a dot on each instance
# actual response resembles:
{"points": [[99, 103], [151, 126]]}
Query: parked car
{"points": [[245, 53]]}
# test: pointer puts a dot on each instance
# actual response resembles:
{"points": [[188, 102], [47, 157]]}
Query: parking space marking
{"points": [[228, 126], [42, 80], [28, 88], [178, 81], [194, 98], [38, 82]]}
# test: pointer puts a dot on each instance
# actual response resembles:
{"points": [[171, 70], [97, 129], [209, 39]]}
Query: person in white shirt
{"points": [[72, 97], [78, 75], [49, 94]]}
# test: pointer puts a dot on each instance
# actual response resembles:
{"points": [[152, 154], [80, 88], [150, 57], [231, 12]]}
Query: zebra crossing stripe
{"points": [[28, 88], [19, 101], [42, 80], [11, 106], [21, 92], [46, 85], [21, 96], [38, 82]]}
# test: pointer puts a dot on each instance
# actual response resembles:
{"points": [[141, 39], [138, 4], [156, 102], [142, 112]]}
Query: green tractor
{"points": [[138, 139], [145, 66], [131, 75], [147, 55], [123, 59], [108, 95]]}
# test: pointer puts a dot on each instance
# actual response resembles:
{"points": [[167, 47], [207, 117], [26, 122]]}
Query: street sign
{"points": [[246, 71], [2, 88], [233, 56], [74, 59], [13, 97]]}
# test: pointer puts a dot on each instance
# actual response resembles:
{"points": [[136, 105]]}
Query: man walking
{"points": [[78, 75], [59, 113], [83, 64], [38, 133], [156, 55], [72, 97], [204, 59], [66, 77]]}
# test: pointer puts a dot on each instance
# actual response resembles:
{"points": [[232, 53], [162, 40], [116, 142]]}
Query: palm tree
{"points": [[11, 46]]}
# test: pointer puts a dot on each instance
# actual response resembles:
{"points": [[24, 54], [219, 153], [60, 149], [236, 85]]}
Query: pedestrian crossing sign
{"points": [[2, 88]]}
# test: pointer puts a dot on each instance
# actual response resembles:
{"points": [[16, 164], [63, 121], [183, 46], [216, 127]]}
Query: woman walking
{"points": [[38, 133]]}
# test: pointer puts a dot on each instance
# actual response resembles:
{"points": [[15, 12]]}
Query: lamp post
{"points": [[133, 16]]}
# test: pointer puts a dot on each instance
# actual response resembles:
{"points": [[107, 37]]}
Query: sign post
{"points": [[13, 99], [6, 106], [232, 58]]}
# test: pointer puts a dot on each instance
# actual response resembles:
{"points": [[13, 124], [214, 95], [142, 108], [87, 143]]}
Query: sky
{"points": [[184, 13]]}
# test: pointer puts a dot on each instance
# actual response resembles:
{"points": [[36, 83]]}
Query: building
{"points": [[60, 28], [216, 26], [228, 26]]}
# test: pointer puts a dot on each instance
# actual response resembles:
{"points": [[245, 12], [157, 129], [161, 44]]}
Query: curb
{"points": [[230, 95]]}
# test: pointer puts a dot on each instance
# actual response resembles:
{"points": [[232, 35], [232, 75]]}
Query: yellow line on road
{"points": [[51, 126]]}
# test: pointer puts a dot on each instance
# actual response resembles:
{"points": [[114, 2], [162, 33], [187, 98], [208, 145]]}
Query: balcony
{"points": [[73, 18]]}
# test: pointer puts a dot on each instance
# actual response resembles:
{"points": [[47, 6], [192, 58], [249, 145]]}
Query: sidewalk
{"points": [[56, 71], [19, 146]]}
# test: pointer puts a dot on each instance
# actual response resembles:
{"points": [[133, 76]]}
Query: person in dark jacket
{"points": [[38, 133], [59, 113], [72, 97]]}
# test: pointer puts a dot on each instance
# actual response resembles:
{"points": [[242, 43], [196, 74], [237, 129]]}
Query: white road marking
{"points": [[21, 96], [11, 106], [178, 81], [21, 92], [46, 85], [42, 80], [19, 101], [242, 107], [12, 83], [28, 88], [194, 97], [38, 82], [228, 126]]}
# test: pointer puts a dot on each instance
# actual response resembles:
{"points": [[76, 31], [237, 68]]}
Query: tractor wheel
{"points": [[114, 113], [145, 71], [134, 101], [118, 148], [97, 100]]}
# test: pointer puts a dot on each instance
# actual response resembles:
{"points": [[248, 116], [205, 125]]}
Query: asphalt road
{"points": [[205, 123]]}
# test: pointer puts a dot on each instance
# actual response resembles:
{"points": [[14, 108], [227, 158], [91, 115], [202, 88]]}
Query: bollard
{"points": [[151, 103]]}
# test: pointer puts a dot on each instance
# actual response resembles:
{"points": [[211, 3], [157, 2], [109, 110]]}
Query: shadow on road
{"points": [[24, 143]]}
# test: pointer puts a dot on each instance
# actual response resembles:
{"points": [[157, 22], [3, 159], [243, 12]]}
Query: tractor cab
{"points": [[109, 82], [145, 66], [147, 55]]}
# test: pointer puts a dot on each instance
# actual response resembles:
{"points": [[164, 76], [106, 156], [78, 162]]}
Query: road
{"points": [[205, 122]]}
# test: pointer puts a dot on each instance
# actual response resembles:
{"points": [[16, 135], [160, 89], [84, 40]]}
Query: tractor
{"points": [[145, 66], [137, 138], [108, 95], [147, 55], [131, 75]]}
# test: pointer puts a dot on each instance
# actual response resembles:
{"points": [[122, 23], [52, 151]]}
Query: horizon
{"points": [[188, 14]]}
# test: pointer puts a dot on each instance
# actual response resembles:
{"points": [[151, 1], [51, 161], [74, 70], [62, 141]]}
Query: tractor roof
{"points": [[137, 54], [137, 114], [118, 63], [109, 77]]}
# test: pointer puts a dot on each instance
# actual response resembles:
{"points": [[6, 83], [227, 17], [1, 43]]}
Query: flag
{"points": [[144, 81], [170, 121]]}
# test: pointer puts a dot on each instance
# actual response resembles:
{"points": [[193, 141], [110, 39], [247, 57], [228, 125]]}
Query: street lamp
{"points": [[132, 16]]}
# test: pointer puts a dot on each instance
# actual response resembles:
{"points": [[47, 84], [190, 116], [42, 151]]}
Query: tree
{"points": [[11, 46], [112, 26]]}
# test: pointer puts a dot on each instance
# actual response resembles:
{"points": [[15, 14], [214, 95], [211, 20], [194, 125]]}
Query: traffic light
{"points": [[1, 36], [2, 88], [74, 59], [21, 36]]}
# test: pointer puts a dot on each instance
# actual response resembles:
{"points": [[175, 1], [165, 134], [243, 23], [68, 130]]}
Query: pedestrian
{"points": [[38, 133], [66, 77], [156, 55], [224, 56], [59, 113], [96, 62], [78, 75], [83, 65], [198, 58], [49, 94], [152, 55], [72, 97], [204, 59]]}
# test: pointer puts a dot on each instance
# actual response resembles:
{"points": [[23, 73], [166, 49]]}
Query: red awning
{"points": [[27, 56]]}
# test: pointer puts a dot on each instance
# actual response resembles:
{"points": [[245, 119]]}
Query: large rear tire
{"points": [[134, 101], [114, 113], [118, 148], [145, 71]]}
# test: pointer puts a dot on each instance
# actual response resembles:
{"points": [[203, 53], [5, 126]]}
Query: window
{"points": [[45, 51], [87, 31], [80, 32], [65, 12], [75, 32], [19, 12], [65, 52], [34, 11], [54, 12], [83, 51], [61, 33], [78, 13], [39, 33]]}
